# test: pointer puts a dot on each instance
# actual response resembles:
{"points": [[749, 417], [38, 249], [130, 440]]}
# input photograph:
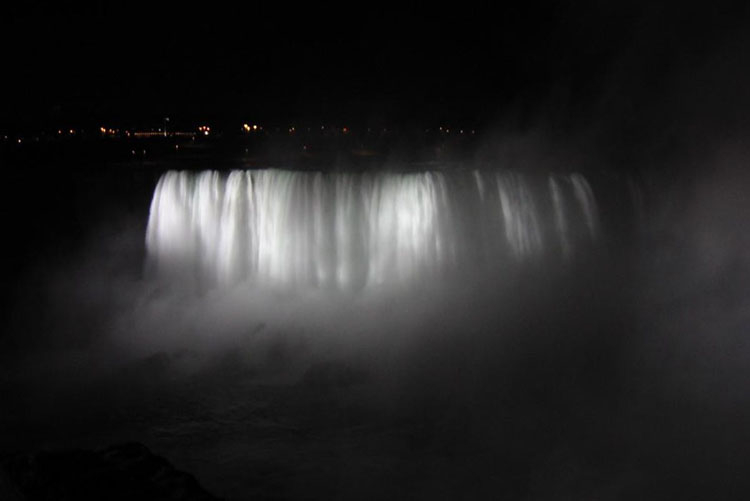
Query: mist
{"points": [[508, 349], [551, 377]]}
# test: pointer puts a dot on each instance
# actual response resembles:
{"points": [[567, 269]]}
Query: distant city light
{"points": [[205, 130]]}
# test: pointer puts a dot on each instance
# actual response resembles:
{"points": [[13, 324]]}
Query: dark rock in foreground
{"points": [[123, 472]]}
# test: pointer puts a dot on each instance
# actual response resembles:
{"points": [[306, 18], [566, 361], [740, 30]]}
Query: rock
{"points": [[123, 472]]}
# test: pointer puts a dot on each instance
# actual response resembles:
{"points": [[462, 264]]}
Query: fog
{"points": [[613, 367], [617, 372]]}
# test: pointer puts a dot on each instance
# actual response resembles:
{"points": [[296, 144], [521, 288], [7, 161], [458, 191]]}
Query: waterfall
{"points": [[361, 229]]}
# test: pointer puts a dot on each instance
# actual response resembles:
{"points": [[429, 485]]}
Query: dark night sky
{"points": [[277, 62]]}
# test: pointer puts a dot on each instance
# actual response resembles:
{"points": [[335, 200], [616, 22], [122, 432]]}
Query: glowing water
{"points": [[361, 229]]}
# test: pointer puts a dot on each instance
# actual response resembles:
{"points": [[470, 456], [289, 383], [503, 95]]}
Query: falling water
{"points": [[355, 230]]}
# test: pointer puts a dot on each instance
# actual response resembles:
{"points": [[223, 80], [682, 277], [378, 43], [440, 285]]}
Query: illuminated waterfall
{"points": [[353, 230]]}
